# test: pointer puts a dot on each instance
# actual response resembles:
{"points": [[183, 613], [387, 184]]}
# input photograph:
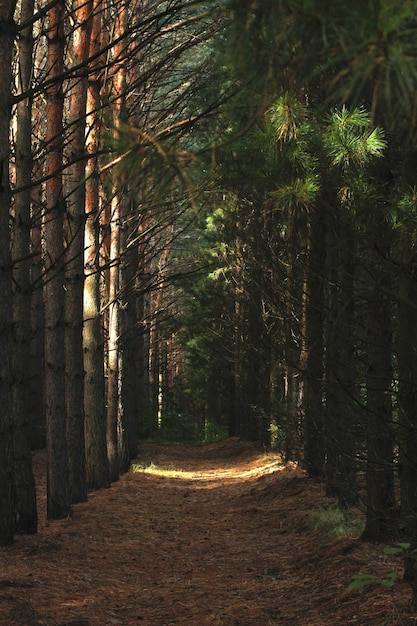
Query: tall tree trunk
{"points": [[129, 345], [153, 372], [294, 301], [37, 409], [7, 30], [314, 337], [332, 398], [115, 356], [157, 337], [25, 491], [134, 381], [275, 385], [141, 347], [58, 497], [74, 260], [407, 411], [237, 425], [97, 467], [36, 389], [344, 337], [380, 510], [341, 406], [113, 344]]}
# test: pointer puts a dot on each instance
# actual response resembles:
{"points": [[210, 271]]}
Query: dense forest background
{"points": [[208, 216]]}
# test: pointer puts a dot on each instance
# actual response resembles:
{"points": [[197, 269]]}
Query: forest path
{"points": [[207, 535]]}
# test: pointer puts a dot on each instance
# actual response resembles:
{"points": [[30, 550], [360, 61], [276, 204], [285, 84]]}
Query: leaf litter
{"points": [[219, 534]]}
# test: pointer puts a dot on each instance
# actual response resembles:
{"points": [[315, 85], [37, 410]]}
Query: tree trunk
{"points": [[313, 375], [153, 373], [58, 498], [7, 30], [97, 467], [37, 336], [294, 301], [130, 368], [343, 336], [141, 348], [25, 491], [407, 412], [74, 260], [115, 358], [380, 510], [113, 344]]}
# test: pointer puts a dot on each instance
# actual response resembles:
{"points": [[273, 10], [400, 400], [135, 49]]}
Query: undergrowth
{"points": [[152, 468], [334, 523]]}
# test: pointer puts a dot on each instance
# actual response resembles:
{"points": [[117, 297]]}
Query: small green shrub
{"points": [[359, 581], [333, 523], [399, 549], [214, 432]]}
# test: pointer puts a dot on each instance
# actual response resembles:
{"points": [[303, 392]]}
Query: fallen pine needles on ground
{"points": [[222, 534]]}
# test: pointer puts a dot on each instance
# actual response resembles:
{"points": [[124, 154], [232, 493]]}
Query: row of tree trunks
{"points": [[64, 297]]}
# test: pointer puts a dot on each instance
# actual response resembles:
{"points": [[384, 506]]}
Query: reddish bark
{"points": [[94, 403]]}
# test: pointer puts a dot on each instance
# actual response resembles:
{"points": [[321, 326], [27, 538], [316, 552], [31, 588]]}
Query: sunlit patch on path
{"points": [[266, 466]]}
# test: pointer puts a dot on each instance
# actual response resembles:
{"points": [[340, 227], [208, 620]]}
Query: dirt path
{"points": [[212, 535]]}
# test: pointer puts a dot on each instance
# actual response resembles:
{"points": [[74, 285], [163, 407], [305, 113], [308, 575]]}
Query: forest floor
{"points": [[220, 534]]}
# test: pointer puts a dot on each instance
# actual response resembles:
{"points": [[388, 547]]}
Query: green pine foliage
{"points": [[271, 178], [352, 141], [206, 334]]}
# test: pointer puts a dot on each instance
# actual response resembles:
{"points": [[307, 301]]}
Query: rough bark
{"points": [[130, 374], [314, 362], [7, 30], [347, 491], [97, 467], [25, 492], [37, 333], [407, 412], [380, 511], [58, 499], [113, 344], [115, 429], [74, 260]]}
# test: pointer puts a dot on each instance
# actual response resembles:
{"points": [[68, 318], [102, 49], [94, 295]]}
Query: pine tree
{"points": [[25, 491], [58, 497], [74, 257], [6, 458]]}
